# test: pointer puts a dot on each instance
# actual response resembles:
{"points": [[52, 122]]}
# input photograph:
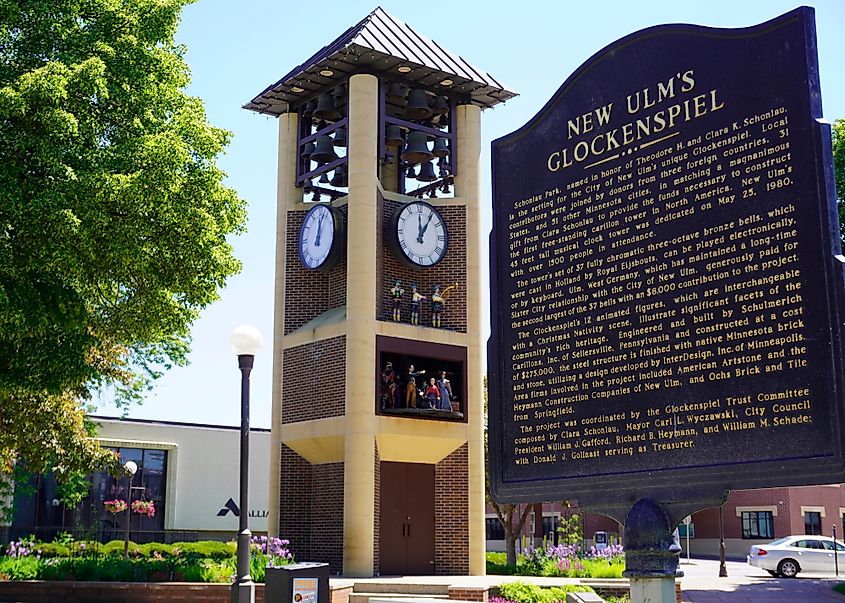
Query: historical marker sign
{"points": [[665, 293]]}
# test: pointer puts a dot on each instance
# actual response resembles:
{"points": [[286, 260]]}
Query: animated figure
{"points": [[438, 298], [396, 293], [432, 394], [416, 298], [388, 386], [446, 397], [411, 387]]}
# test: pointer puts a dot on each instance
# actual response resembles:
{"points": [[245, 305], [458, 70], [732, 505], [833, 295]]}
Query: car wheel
{"points": [[772, 573], [788, 568]]}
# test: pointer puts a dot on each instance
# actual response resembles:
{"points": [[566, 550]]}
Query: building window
{"points": [[813, 523], [495, 529], [757, 524], [550, 529]]}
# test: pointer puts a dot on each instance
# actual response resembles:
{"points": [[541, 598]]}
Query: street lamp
{"points": [[246, 343], [131, 469]]}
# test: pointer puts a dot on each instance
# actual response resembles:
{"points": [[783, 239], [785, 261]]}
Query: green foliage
{"points": [[113, 217], [52, 549], [207, 549], [520, 592], [25, 568], [571, 530], [839, 168]]}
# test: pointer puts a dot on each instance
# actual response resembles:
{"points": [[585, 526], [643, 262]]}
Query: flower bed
{"points": [[564, 561], [207, 561]]}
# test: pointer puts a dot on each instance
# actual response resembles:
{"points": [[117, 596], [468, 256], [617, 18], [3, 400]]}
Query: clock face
{"points": [[319, 245], [420, 234]]}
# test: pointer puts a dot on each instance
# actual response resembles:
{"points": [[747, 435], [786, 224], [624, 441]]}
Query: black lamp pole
{"points": [[244, 588]]}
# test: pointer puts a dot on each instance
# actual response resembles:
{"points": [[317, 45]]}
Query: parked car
{"points": [[790, 555]]}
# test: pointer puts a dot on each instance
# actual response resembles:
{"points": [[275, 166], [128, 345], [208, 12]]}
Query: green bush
{"points": [[531, 593], [207, 549], [51, 549], [148, 551]]}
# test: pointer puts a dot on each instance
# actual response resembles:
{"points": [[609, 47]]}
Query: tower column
{"points": [[287, 196], [468, 187], [360, 424]]}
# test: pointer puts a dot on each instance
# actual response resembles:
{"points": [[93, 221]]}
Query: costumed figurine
{"points": [[411, 387], [416, 298], [388, 386], [438, 298], [446, 397], [396, 293], [432, 394]]}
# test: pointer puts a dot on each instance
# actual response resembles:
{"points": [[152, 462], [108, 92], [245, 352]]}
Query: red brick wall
{"points": [[314, 380], [309, 293], [327, 515], [295, 503], [451, 513], [451, 269], [311, 509]]}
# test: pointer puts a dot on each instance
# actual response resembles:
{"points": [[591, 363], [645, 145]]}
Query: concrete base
{"points": [[653, 590]]}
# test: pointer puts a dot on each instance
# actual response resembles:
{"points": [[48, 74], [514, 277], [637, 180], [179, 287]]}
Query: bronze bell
{"points": [[307, 150], [324, 150], [411, 173], [326, 107], [396, 93], [416, 151], [441, 105], [441, 147], [308, 185], [340, 137], [339, 95], [427, 172], [324, 178], [316, 197], [339, 179], [308, 109], [417, 105], [393, 136]]}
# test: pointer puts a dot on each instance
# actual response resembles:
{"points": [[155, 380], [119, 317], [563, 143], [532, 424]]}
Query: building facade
{"points": [[189, 471]]}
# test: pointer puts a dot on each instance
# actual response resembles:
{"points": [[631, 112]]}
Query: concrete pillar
{"points": [[360, 424], [468, 188], [287, 195]]}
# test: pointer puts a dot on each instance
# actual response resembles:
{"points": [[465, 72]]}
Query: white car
{"points": [[792, 554]]}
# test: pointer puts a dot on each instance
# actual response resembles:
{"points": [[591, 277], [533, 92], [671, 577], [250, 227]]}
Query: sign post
{"points": [[666, 295]]}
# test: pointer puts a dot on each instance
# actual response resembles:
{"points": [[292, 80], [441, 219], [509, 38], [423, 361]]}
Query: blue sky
{"points": [[236, 49]]}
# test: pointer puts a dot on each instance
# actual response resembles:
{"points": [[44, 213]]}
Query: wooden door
{"points": [[406, 522]]}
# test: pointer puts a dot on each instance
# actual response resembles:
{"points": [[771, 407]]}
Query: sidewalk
{"points": [[745, 584]]}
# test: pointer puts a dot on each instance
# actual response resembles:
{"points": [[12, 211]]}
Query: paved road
{"points": [[745, 584]]}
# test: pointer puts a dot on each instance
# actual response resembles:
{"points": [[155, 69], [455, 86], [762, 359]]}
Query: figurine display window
{"points": [[420, 379]]}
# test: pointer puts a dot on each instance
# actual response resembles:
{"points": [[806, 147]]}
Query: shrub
{"points": [[19, 568], [51, 549], [519, 592], [208, 549]]}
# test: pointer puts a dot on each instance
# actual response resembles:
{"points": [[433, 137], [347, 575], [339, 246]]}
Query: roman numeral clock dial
{"points": [[419, 237], [321, 239]]}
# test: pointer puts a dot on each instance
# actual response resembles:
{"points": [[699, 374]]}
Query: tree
{"points": [[113, 215], [507, 513]]}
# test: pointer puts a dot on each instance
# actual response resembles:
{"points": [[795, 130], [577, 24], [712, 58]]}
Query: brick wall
{"points": [[451, 514], [314, 379], [311, 509], [451, 269], [327, 516], [295, 502], [309, 293]]}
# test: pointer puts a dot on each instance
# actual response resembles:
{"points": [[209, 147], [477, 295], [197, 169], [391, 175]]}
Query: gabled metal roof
{"points": [[381, 44]]}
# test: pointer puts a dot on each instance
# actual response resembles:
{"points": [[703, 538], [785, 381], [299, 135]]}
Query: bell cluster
{"points": [[325, 117], [417, 130]]}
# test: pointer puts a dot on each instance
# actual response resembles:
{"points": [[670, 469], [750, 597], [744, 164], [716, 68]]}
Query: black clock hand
{"points": [[319, 231]]}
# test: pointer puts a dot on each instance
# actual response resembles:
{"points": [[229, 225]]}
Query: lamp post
{"points": [[723, 569], [131, 469], [246, 343]]}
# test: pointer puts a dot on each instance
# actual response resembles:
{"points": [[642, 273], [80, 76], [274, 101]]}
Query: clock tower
{"points": [[377, 439]]}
